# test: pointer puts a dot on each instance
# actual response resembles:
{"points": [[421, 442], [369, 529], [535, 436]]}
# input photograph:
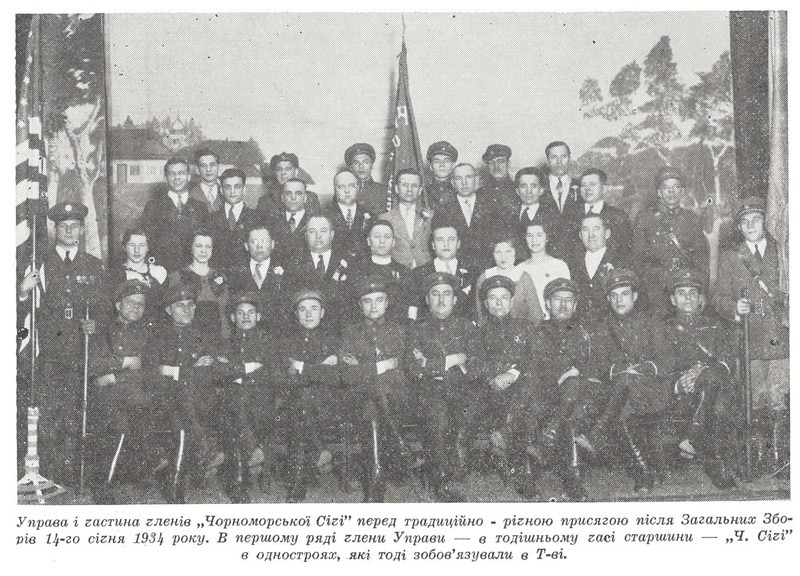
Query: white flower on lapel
{"points": [[278, 271]]}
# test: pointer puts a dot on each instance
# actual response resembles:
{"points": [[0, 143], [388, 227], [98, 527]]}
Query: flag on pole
{"points": [[404, 150], [31, 181]]}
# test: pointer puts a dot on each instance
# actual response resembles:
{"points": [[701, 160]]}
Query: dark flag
{"points": [[405, 151]]}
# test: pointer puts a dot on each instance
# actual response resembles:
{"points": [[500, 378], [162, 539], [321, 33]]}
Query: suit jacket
{"points": [[546, 215], [334, 284], [271, 205], [476, 239], [272, 294], [197, 193], [410, 251], [502, 194], [621, 239], [562, 242], [353, 240], [169, 232], [372, 196], [286, 241], [593, 305], [229, 245]]}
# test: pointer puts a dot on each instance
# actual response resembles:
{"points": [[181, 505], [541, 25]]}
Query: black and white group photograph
{"points": [[402, 257]]}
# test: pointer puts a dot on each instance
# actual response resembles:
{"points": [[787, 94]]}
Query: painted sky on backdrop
{"points": [[316, 83]]}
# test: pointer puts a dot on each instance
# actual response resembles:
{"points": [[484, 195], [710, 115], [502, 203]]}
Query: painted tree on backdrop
{"points": [[75, 114], [657, 113]]}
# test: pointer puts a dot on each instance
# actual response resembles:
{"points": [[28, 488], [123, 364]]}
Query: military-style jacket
{"points": [[636, 339], [740, 270], [669, 239], [558, 346], [399, 281], [440, 193], [248, 346], [311, 347], [180, 347], [107, 354], [429, 343], [370, 343], [698, 339], [502, 345], [372, 196], [465, 295]]}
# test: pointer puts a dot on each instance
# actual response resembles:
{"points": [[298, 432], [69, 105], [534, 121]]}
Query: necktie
{"points": [[560, 190], [292, 223], [349, 218], [231, 219], [321, 266], [257, 276], [68, 258], [468, 211]]}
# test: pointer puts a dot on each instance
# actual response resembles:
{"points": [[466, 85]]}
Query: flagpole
{"points": [[109, 176]]}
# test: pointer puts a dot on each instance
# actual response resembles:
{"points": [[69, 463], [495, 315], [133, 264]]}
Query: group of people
{"points": [[529, 310]]}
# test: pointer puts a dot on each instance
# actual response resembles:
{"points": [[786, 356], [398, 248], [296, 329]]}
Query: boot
{"points": [[171, 478], [642, 474], [573, 477], [780, 443], [376, 484], [716, 466], [296, 482], [526, 482], [596, 441], [102, 492]]}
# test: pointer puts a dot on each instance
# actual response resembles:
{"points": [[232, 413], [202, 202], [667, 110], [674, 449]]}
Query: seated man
{"points": [[185, 392], [504, 390], [119, 419], [701, 379], [570, 363], [306, 368], [641, 360], [371, 363], [248, 397], [437, 352]]}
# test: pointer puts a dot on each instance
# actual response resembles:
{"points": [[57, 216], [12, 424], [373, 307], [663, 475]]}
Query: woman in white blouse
{"points": [[139, 266], [525, 303], [541, 267]]}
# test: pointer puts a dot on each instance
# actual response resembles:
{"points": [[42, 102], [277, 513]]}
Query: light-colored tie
{"points": [[468, 212], [560, 190], [292, 223], [349, 218], [231, 219], [257, 276]]}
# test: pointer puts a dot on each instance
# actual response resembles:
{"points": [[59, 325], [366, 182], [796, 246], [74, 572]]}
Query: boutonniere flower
{"points": [[343, 263], [426, 214], [278, 271], [463, 271], [395, 274], [366, 216], [608, 267], [219, 280], [467, 289]]}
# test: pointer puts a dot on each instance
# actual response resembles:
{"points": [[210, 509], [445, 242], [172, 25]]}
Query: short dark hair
{"points": [[507, 237], [233, 173], [205, 152], [176, 160], [543, 224], [556, 144], [404, 171], [529, 171], [600, 174], [378, 222], [602, 218], [438, 223], [259, 225], [135, 231]]}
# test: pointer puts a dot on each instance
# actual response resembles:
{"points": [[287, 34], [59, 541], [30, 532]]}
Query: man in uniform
{"points": [[570, 364], [74, 303], [441, 156], [398, 278], [499, 189], [185, 391], [349, 218], [207, 190], [748, 288], [170, 219], [641, 360], [410, 220], [307, 368], [503, 391], [119, 417], [436, 363], [701, 376], [666, 238], [282, 168], [231, 223], [371, 359], [372, 195]]}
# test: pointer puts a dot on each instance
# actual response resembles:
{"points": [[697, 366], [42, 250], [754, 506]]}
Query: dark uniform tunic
{"points": [[664, 241], [399, 283], [440, 193], [67, 290], [372, 196], [502, 195]]}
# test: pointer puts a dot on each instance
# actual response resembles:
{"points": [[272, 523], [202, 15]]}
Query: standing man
{"points": [[350, 220], [410, 221], [231, 223], [372, 195], [529, 183], [441, 156], [74, 303], [594, 189], [282, 168], [562, 194], [436, 362], [748, 288], [667, 238], [499, 187], [701, 378], [170, 219], [289, 226], [207, 190]]}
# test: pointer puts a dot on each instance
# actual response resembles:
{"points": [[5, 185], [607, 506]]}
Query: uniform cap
{"points": [[359, 148], [668, 172], [244, 298], [686, 277], [444, 148], [129, 288], [67, 211], [179, 293], [370, 284], [284, 157], [436, 278], [495, 151], [497, 281], [751, 204], [619, 277], [559, 285], [307, 294]]}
